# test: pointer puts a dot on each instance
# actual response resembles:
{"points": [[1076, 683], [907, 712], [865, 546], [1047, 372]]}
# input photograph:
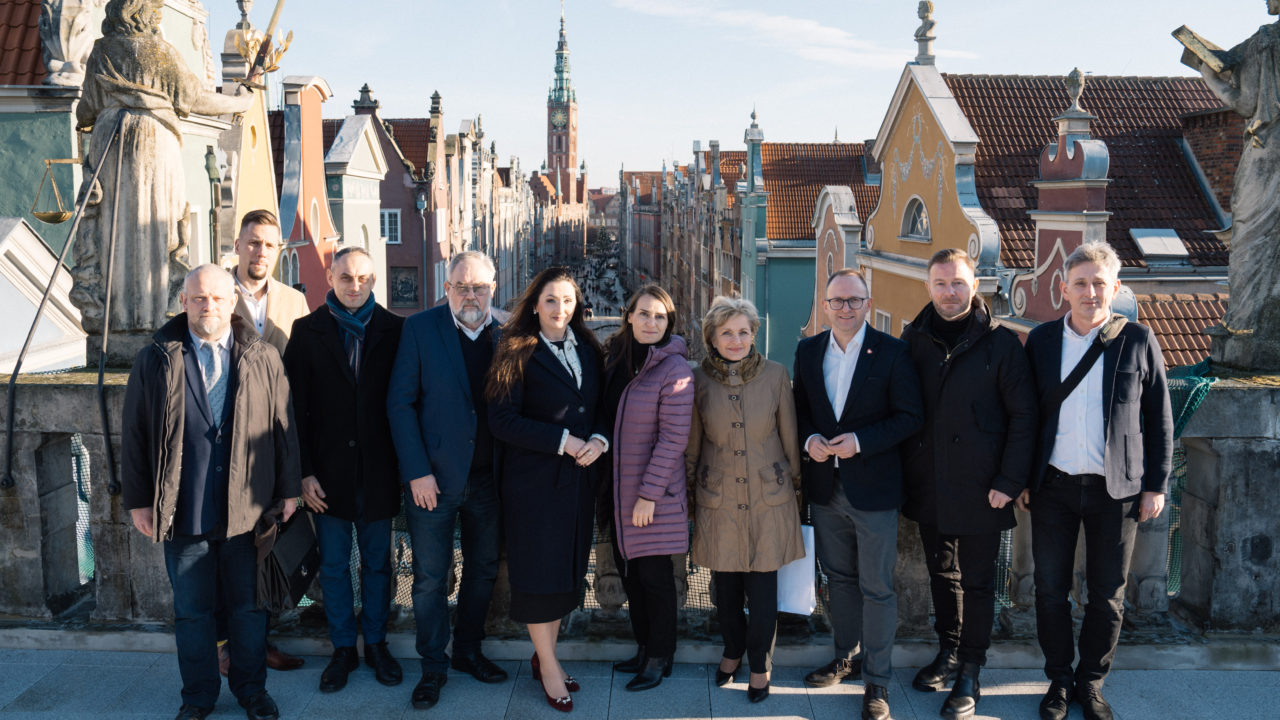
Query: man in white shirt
{"points": [[1103, 461], [857, 399], [268, 303]]}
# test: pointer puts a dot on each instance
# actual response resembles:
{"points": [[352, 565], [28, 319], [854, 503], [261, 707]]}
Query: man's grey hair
{"points": [[1100, 253], [475, 255]]}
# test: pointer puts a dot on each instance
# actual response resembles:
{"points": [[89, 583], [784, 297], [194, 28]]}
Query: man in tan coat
{"points": [[264, 301]]}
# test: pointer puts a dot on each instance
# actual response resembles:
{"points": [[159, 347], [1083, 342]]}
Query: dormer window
{"points": [[915, 222]]}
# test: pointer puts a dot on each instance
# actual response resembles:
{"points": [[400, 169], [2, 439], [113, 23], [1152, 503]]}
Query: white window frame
{"points": [[884, 321], [384, 226]]}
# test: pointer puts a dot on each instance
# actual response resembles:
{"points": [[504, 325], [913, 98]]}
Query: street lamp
{"points": [[422, 215], [215, 190]]}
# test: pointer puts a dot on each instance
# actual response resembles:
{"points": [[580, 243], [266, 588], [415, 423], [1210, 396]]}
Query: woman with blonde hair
{"points": [[743, 466]]}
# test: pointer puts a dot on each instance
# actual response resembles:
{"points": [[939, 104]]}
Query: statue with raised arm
{"points": [[134, 78], [1249, 83]]}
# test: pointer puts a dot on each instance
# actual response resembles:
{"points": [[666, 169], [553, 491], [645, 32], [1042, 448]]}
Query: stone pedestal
{"points": [[911, 580], [37, 516], [1230, 563]]}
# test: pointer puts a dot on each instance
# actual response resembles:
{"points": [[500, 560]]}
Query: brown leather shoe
{"points": [[278, 659], [224, 659]]}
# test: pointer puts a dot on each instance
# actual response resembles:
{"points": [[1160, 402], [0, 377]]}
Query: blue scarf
{"points": [[352, 326]]}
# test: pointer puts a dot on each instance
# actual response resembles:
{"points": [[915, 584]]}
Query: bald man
{"points": [[206, 397]]}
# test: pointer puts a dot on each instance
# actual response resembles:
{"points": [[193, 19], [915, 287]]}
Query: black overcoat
{"points": [[547, 500], [980, 425], [343, 432]]}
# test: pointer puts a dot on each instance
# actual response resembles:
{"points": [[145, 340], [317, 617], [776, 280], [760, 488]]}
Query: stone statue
{"points": [[65, 38], [134, 74], [924, 33], [1249, 337]]}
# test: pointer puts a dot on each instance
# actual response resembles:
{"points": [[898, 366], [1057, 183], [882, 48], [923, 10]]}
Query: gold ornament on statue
{"points": [[249, 47], [52, 216]]}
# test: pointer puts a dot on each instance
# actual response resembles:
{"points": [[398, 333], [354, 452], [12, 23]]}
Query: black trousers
{"points": [[651, 591], [962, 579], [754, 637], [1110, 526]]}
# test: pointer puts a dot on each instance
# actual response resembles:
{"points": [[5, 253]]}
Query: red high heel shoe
{"points": [[569, 683]]}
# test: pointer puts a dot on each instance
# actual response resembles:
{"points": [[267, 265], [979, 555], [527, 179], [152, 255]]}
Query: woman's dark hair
{"points": [[617, 349], [520, 333]]}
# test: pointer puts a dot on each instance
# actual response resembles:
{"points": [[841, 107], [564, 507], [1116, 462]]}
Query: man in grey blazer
{"points": [[1102, 460], [440, 428]]}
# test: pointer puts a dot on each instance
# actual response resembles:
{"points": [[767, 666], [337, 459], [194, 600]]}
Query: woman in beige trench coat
{"points": [[743, 469]]}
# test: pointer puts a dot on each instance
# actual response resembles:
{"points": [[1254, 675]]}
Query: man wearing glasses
{"points": [[857, 399], [440, 428], [965, 467]]}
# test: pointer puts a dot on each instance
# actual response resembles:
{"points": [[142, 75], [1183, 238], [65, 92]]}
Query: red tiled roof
{"points": [[729, 161], [1139, 119], [1179, 322], [411, 135], [794, 175], [21, 53], [330, 129], [600, 201]]}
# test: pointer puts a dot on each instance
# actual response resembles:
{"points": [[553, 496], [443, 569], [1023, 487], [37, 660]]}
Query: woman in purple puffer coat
{"points": [[649, 391]]}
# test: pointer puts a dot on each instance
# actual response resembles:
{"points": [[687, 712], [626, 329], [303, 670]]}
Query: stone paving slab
{"points": [[104, 685]]}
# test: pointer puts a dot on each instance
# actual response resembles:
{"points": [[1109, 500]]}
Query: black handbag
{"points": [[288, 559]]}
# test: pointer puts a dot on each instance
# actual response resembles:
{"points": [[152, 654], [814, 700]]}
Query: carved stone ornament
{"points": [[67, 31]]}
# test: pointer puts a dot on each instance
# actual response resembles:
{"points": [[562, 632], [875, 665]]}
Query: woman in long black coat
{"points": [[543, 389]]}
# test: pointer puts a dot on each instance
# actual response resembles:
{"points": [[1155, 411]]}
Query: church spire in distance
{"points": [[562, 90]]}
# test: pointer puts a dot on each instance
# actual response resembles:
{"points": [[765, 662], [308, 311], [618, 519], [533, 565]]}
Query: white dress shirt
{"points": [[568, 358], [257, 308], [224, 349], [472, 334], [1079, 447], [837, 374]]}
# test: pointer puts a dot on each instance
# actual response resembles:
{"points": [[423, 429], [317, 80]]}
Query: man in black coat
{"points": [[338, 359], [966, 467], [1103, 459], [857, 400]]}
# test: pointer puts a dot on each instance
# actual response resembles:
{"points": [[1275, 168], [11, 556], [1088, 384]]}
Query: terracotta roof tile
{"points": [[21, 53], [330, 128], [794, 175], [1179, 321], [411, 135], [1140, 120]]}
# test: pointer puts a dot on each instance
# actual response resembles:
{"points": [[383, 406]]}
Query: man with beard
{"points": [[268, 303], [207, 445], [440, 427], [966, 466], [339, 359]]}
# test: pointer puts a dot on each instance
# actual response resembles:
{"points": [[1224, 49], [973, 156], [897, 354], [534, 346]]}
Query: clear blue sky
{"points": [[652, 76]]}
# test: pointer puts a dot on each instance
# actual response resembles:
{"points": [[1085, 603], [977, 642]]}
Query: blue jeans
{"points": [[431, 532], [198, 567], [374, 541]]}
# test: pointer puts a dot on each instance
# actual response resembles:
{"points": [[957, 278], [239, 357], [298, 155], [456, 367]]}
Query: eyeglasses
{"points": [[853, 303], [465, 290]]}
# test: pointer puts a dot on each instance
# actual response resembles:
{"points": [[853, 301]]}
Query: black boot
{"points": [[963, 700], [334, 677], [651, 676], [632, 665], [938, 673]]}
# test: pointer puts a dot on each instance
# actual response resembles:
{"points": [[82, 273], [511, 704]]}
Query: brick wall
{"points": [[1216, 138]]}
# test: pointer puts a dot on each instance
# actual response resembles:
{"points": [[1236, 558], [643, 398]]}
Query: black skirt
{"points": [[542, 607]]}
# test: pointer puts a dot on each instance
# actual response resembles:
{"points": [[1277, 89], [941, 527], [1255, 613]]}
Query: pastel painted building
{"points": [[355, 167]]}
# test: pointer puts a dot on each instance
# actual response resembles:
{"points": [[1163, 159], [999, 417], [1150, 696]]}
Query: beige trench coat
{"points": [[743, 467]]}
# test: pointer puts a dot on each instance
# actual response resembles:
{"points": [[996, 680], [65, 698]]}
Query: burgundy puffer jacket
{"points": [[649, 438]]}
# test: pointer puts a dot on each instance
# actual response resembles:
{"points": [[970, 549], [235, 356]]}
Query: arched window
{"points": [[915, 221], [284, 267], [294, 278]]}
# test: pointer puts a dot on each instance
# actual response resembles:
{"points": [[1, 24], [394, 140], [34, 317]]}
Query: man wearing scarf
{"points": [[339, 359]]}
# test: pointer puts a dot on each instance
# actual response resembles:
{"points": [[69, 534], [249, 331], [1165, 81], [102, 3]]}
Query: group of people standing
{"points": [[511, 429]]}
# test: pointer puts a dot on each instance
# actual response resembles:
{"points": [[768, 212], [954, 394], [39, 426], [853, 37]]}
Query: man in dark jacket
{"points": [[207, 445], [439, 424], [339, 359], [965, 467], [1102, 460], [857, 400]]}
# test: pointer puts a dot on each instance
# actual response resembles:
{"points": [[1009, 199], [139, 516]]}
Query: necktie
{"points": [[215, 380]]}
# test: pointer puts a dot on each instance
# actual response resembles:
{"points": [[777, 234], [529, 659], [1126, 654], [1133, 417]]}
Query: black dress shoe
{"points": [[651, 675], [875, 702], [633, 664], [478, 666], [757, 694], [1056, 702], [1092, 704], [937, 674], [427, 692], [962, 703], [193, 712], [385, 667], [334, 677], [833, 672], [260, 707], [724, 678]]}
